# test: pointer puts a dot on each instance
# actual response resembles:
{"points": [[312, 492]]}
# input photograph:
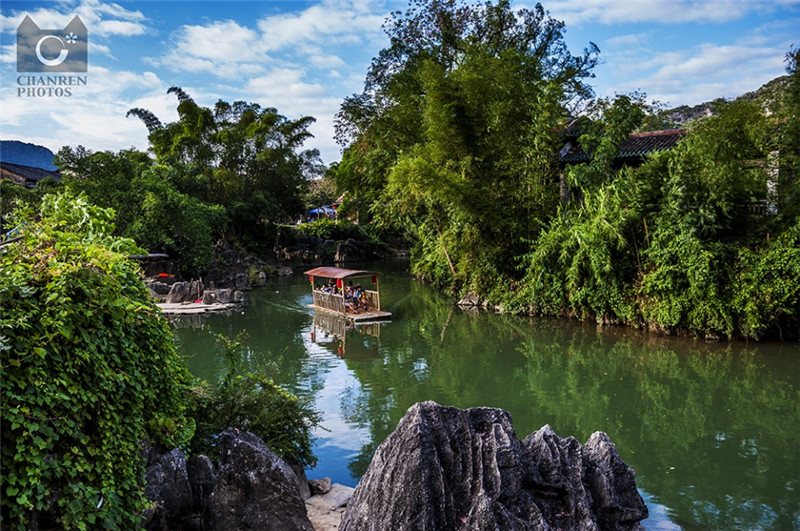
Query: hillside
{"points": [[768, 95], [26, 154]]}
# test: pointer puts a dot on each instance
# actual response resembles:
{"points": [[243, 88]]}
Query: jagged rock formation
{"points": [[185, 292], [442, 468], [447, 468], [169, 488], [252, 488]]}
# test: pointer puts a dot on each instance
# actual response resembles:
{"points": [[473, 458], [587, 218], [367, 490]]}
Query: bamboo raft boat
{"points": [[368, 308]]}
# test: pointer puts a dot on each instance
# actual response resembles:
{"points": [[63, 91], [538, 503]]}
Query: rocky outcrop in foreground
{"points": [[442, 468], [252, 488], [447, 468]]}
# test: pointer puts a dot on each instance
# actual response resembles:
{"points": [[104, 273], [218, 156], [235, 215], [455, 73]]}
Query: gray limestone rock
{"points": [[447, 468], [179, 292], [167, 486], [202, 480], [195, 291], [469, 300], [320, 486], [255, 488], [161, 288]]}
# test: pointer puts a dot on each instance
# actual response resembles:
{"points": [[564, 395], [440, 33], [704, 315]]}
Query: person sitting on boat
{"points": [[350, 303], [350, 295], [361, 297]]}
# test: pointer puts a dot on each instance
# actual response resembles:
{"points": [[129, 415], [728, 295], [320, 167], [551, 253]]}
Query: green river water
{"points": [[712, 429]]}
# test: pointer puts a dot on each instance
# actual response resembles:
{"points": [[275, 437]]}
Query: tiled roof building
{"points": [[26, 176], [632, 149]]}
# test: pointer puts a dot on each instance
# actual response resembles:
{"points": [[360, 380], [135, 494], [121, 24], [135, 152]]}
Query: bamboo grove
{"points": [[456, 141]]}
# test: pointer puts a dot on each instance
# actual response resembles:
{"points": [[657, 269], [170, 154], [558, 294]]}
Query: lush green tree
{"points": [[454, 138], [699, 238], [89, 368], [250, 157], [156, 204]]}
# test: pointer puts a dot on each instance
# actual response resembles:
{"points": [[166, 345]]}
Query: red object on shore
{"points": [[162, 275]]}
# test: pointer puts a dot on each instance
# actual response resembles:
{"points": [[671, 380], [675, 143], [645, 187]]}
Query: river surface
{"points": [[711, 429]]}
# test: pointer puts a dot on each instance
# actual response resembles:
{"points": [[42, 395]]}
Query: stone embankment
{"points": [[193, 298], [442, 468], [234, 272]]}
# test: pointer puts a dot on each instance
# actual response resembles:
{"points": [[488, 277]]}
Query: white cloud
{"points": [[116, 27], [577, 12], [333, 23], [703, 73], [223, 48], [101, 19], [94, 116], [222, 41], [98, 48], [286, 90], [629, 40], [8, 54]]}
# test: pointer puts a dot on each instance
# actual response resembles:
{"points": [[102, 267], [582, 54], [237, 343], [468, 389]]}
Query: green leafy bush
{"points": [[89, 371], [251, 401], [673, 244]]}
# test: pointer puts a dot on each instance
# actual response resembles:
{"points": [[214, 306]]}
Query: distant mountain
{"points": [[17, 152], [768, 96]]}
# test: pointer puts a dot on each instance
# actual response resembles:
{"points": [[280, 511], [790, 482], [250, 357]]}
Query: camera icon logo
{"points": [[52, 50]]}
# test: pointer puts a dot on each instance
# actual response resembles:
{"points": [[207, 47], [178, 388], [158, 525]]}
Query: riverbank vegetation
{"points": [[251, 401], [91, 376], [227, 174], [456, 140], [456, 143], [89, 372]]}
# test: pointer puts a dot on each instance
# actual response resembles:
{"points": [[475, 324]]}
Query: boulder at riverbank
{"points": [[251, 488], [447, 468]]}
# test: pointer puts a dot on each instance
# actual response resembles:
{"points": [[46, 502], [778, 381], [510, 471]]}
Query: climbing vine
{"points": [[89, 371]]}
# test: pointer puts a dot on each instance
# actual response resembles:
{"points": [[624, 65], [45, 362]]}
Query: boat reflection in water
{"points": [[341, 307], [338, 334]]}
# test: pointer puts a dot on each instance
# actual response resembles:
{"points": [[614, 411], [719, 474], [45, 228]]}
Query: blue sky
{"points": [[303, 57]]}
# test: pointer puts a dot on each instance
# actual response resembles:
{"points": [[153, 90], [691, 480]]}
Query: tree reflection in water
{"points": [[710, 428]]}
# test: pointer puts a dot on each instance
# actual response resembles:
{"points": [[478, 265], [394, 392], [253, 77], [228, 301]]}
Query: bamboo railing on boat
{"points": [[366, 307]]}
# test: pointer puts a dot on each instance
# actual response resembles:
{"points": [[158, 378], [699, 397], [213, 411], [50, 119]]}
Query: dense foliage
{"points": [[252, 401], [454, 138], [157, 205], [91, 374], [89, 371], [701, 238], [245, 158], [228, 173], [341, 230], [456, 141]]}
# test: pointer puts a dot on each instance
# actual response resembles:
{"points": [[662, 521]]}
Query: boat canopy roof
{"points": [[338, 272]]}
